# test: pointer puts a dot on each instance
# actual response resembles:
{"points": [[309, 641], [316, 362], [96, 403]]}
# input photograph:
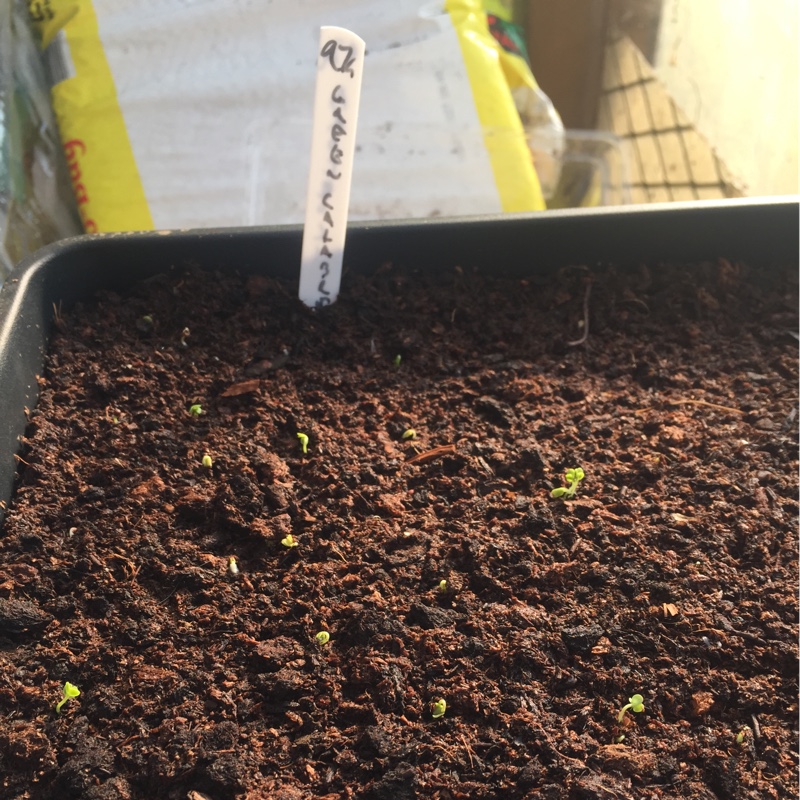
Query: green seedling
{"points": [[323, 637], [196, 410], [438, 707], [144, 324], [288, 541], [742, 735], [185, 334], [303, 441], [635, 704], [233, 567], [70, 691], [573, 478], [442, 586], [207, 461], [410, 434], [397, 359]]}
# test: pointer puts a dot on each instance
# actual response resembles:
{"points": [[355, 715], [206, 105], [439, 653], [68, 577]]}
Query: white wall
{"points": [[732, 66]]}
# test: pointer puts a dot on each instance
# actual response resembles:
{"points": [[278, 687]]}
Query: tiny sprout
{"points": [[397, 359], [70, 691], [573, 478], [185, 334], [323, 637], [144, 324], [442, 586], [410, 434], [303, 441], [288, 541], [635, 703], [207, 461], [742, 735], [438, 707], [233, 567], [196, 410]]}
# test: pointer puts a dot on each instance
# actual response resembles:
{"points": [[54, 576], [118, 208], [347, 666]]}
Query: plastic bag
{"points": [[176, 114], [544, 130], [36, 204]]}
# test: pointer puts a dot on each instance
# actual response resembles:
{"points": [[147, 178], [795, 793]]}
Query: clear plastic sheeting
{"points": [[36, 201], [177, 114]]}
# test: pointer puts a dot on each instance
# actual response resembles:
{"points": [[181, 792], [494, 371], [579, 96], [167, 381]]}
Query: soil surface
{"points": [[671, 574]]}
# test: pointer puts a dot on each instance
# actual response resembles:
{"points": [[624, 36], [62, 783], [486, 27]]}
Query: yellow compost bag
{"points": [[157, 129], [102, 168], [493, 70]]}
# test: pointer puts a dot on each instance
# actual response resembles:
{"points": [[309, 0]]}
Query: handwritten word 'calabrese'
{"points": [[338, 131]]}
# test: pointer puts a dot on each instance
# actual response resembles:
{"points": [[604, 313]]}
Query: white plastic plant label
{"points": [[340, 63]]}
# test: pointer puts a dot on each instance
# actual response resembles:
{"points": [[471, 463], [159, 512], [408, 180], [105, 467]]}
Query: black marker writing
{"points": [[329, 51], [341, 60]]}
